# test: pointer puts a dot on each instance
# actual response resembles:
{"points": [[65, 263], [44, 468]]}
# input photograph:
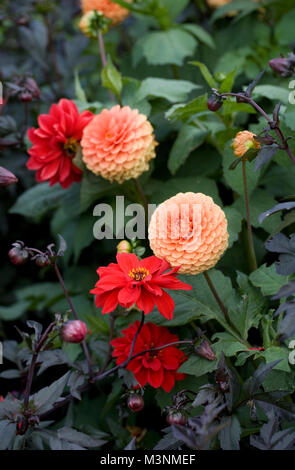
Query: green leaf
{"points": [[188, 139], [176, 45], [198, 366], [284, 28], [252, 384], [206, 74], [111, 78], [234, 178], [83, 235], [79, 438], [276, 353], [200, 34], [184, 112], [160, 191], [13, 312], [249, 310], [39, 199], [7, 434], [227, 344], [230, 107], [45, 398], [272, 92], [93, 188], [267, 279], [244, 6], [229, 436], [227, 83], [234, 220], [200, 302], [171, 90], [79, 92], [260, 201]]}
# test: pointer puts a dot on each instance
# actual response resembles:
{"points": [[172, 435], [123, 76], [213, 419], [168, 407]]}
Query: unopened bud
{"points": [[18, 255], [74, 331], [6, 177], [283, 66], [204, 350], [1, 398], [42, 261], [214, 103], [176, 417], [135, 402], [124, 247]]}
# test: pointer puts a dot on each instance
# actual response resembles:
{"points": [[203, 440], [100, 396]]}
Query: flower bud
{"points": [[176, 417], [18, 255], [1, 398], [135, 403], [74, 331], [283, 66], [204, 350], [214, 103], [6, 177], [124, 247], [42, 261]]}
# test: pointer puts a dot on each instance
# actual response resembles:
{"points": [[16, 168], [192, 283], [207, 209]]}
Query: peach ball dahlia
{"points": [[111, 10], [118, 144], [189, 230], [243, 142]]}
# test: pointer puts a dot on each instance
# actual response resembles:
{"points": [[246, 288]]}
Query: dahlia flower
{"points": [[158, 368], [218, 3], [111, 10], [132, 281], [56, 142], [244, 141], [189, 230], [118, 144]]}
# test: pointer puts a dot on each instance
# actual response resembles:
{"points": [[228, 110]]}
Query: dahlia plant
{"points": [[147, 215]]}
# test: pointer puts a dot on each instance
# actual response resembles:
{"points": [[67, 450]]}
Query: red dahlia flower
{"points": [[56, 142], [158, 368], [132, 281]]}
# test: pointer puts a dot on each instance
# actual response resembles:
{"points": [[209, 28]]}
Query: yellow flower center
{"points": [[71, 147], [138, 274], [249, 144]]}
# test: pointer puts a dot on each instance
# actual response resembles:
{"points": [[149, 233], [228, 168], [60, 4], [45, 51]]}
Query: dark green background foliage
{"points": [[164, 60]]}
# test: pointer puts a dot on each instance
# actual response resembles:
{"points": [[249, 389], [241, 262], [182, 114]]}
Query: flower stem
{"points": [[252, 256], [84, 345], [103, 57], [143, 198], [268, 119]]}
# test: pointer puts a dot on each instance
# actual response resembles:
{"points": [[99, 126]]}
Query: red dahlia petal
{"points": [[165, 305]]}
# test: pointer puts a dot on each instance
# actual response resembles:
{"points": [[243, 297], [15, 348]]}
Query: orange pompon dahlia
{"points": [[189, 230], [118, 144], [244, 141], [111, 10]]}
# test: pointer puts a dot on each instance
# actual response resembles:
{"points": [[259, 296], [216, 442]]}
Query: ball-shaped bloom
{"points": [[189, 230], [243, 142], [74, 331], [55, 143], [118, 144], [158, 368], [110, 9]]}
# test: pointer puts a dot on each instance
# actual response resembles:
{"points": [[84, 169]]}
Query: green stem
{"points": [[251, 252]]}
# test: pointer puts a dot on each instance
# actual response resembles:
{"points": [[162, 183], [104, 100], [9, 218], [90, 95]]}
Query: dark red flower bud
{"points": [[74, 331], [1, 398], [17, 255], [42, 260], [6, 177], [283, 66], [204, 350], [32, 87], [214, 103], [135, 403], [176, 417], [25, 97]]}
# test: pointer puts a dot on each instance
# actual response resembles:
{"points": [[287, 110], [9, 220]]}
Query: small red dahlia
{"points": [[132, 281], [56, 142], [158, 368]]}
